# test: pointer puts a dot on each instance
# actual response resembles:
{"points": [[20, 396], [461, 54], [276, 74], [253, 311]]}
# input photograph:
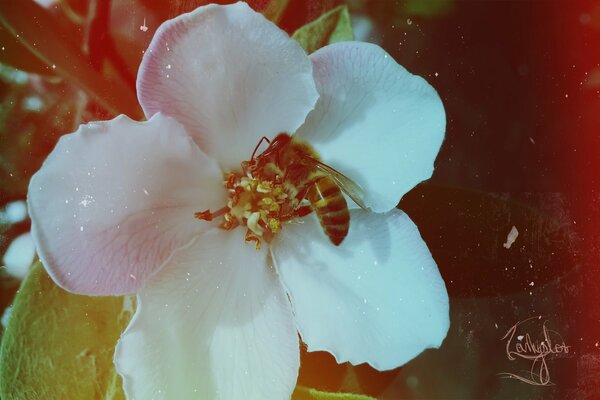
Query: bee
{"points": [[296, 165]]}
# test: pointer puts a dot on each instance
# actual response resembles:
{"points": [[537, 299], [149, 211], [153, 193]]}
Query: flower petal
{"points": [[214, 324], [377, 298], [391, 122], [115, 199], [230, 76]]}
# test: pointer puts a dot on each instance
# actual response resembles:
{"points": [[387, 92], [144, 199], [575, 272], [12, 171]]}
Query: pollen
{"points": [[260, 205]]}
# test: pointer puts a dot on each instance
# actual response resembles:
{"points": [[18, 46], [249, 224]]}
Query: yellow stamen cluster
{"points": [[255, 203]]}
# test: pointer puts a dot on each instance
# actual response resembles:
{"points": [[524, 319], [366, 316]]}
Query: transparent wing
{"points": [[348, 186]]}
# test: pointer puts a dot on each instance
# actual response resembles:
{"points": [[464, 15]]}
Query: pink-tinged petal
{"points": [[230, 76], [215, 323], [377, 298], [115, 199], [374, 121]]}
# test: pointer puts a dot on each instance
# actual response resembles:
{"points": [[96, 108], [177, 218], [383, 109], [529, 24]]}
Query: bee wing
{"points": [[348, 186]]}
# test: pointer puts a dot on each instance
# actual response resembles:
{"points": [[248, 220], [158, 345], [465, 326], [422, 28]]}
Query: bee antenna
{"points": [[265, 139]]}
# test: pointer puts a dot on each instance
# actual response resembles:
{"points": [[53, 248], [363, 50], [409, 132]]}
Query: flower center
{"points": [[260, 198]]}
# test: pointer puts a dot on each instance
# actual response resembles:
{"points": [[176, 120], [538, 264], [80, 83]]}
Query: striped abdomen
{"points": [[329, 204]]}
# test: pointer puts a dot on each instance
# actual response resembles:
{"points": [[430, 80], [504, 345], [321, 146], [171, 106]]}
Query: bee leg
{"points": [[265, 139], [302, 211]]}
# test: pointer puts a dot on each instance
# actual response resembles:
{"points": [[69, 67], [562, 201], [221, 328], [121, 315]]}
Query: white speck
{"points": [[67, 201], [531, 284], [167, 75], [531, 140], [19, 256], [87, 200], [81, 228], [365, 301], [33, 103], [566, 96], [145, 192], [144, 28], [409, 21], [436, 74], [132, 276], [512, 236], [15, 211], [168, 66], [496, 325], [8, 311], [520, 337], [53, 66]]}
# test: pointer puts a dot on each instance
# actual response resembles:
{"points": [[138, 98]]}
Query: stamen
{"points": [[206, 215], [250, 237], [259, 199]]}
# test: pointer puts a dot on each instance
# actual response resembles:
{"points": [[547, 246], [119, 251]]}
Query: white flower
{"points": [[113, 212]]}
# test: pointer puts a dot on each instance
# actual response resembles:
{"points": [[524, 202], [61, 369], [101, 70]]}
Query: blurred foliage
{"points": [[59, 345], [333, 26], [34, 112], [275, 9], [76, 54], [15, 54], [302, 393], [428, 8]]}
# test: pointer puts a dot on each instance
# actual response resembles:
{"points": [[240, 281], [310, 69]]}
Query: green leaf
{"points": [[333, 26], [59, 345], [275, 9], [304, 393], [428, 8]]}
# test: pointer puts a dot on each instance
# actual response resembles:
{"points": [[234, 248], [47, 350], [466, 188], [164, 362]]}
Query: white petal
{"points": [[19, 256], [374, 121], [377, 298], [230, 76], [115, 199], [214, 324]]}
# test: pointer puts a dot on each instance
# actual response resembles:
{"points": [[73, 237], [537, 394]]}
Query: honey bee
{"points": [[296, 165]]}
